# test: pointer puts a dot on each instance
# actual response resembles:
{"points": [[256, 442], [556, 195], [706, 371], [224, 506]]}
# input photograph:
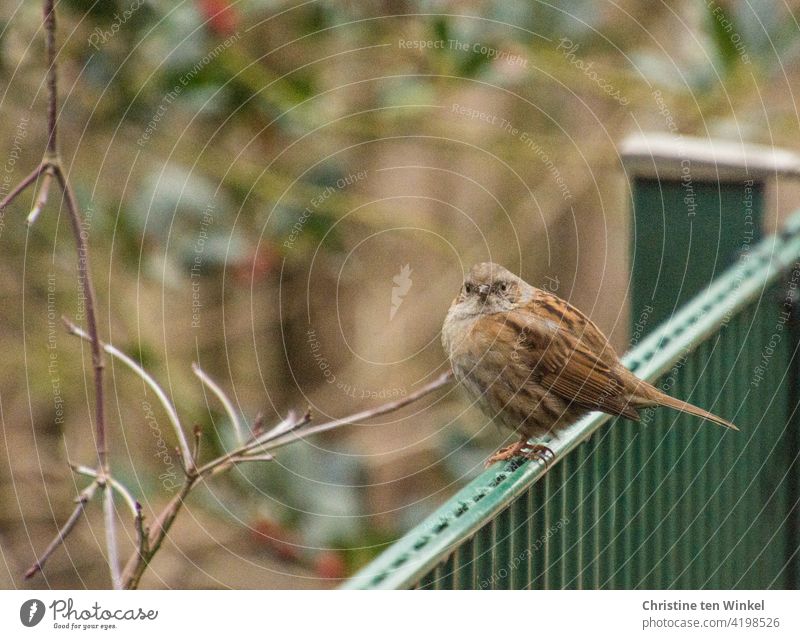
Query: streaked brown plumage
{"points": [[536, 363]]}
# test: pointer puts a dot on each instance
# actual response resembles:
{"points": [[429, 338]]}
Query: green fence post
{"points": [[697, 206], [792, 297]]}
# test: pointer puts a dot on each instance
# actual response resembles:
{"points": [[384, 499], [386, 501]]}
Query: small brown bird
{"points": [[537, 363]]}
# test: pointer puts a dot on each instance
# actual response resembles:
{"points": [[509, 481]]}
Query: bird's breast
{"points": [[484, 350]]}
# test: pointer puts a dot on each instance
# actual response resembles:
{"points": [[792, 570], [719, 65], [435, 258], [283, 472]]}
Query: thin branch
{"points": [[141, 532], [263, 457], [52, 165], [164, 521], [290, 429], [288, 425], [83, 470], [198, 436], [226, 463], [139, 561], [286, 433], [282, 435], [110, 485], [41, 199], [87, 291], [52, 168], [26, 182], [256, 446], [258, 424], [233, 416], [111, 531], [284, 426], [116, 485], [299, 433], [52, 77], [125, 494], [172, 414], [83, 498]]}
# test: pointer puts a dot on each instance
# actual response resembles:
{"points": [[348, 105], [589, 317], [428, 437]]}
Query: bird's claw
{"points": [[533, 452], [541, 453]]}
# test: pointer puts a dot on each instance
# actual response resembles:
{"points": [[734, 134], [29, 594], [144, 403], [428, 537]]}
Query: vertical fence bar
{"points": [[711, 438], [611, 515], [533, 559], [464, 558], [717, 472], [520, 522], [503, 563], [547, 554], [648, 493], [579, 514], [625, 470], [555, 536], [596, 530], [484, 549], [792, 560]]}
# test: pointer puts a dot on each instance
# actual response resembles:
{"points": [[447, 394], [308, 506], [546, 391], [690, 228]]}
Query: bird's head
{"points": [[490, 288]]}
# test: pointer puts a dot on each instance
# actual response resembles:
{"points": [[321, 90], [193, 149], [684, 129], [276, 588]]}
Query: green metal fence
{"points": [[671, 502]]}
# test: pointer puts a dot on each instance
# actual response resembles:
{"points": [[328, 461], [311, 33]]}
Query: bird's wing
{"points": [[557, 311], [564, 359]]}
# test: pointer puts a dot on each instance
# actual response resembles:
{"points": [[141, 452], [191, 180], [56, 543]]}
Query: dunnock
{"points": [[537, 363]]}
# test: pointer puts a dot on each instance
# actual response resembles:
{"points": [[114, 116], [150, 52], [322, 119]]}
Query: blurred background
{"points": [[290, 195]]}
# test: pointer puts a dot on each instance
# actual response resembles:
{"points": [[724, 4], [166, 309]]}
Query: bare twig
{"points": [[111, 531], [233, 415], [52, 77], [226, 463], [198, 436], [26, 182], [290, 422], [141, 531], [388, 407], [51, 167], [83, 470], [87, 290], [172, 414], [139, 561], [252, 450], [263, 457], [258, 424], [83, 498], [101, 442], [283, 434], [255, 451], [123, 492], [41, 199], [116, 485]]}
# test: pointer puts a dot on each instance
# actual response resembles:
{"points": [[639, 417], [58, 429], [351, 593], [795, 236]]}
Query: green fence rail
{"points": [[670, 502]]}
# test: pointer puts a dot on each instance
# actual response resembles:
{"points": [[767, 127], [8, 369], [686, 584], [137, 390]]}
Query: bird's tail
{"points": [[662, 399]]}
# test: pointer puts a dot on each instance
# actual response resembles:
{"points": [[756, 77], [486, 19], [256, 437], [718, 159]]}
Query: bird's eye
{"points": [[468, 288], [503, 287]]}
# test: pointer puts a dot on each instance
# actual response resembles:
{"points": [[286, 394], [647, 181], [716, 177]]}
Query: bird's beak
{"points": [[483, 290]]}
